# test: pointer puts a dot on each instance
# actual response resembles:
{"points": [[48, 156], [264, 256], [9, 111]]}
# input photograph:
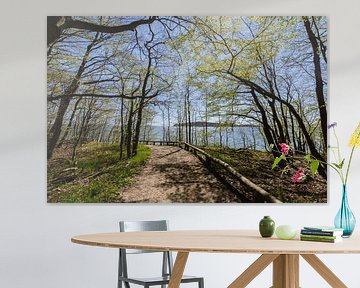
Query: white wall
{"points": [[35, 248]]}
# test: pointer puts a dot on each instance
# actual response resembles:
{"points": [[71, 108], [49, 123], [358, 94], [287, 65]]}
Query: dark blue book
{"points": [[322, 231]]}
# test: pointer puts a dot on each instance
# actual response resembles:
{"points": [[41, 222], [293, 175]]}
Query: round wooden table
{"points": [[284, 254]]}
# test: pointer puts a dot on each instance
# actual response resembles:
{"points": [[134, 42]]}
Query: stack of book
{"points": [[321, 234]]}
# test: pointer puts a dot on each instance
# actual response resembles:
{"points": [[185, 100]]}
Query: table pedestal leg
{"points": [[324, 271], [253, 270], [178, 270], [286, 271]]}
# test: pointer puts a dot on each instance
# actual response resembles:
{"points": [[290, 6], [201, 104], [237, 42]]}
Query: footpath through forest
{"points": [[175, 175]]}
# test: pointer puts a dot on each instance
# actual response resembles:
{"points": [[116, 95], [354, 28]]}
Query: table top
{"points": [[217, 241]]}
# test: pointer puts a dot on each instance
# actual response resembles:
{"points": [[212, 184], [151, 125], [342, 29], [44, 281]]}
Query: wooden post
{"points": [[286, 271]]}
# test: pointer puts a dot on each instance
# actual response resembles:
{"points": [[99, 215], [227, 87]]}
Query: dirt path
{"points": [[174, 175]]}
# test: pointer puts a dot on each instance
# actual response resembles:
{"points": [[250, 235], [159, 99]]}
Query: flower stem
{"points": [[338, 145], [348, 166], [340, 171], [337, 171]]}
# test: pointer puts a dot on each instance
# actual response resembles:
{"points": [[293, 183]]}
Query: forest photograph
{"points": [[187, 109]]}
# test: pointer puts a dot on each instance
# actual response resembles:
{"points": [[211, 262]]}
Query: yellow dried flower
{"points": [[355, 138]]}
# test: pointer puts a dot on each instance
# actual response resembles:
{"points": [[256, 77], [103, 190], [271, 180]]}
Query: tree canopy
{"points": [[113, 78]]}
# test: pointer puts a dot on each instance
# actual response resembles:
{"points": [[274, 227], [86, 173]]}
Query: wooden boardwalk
{"points": [[173, 175]]}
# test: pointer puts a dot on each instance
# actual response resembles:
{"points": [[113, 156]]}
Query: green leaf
{"points": [[277, 161], [336, 165], [342, 163], [308, 158], [271, 146], [339, 166], [314, 166]]}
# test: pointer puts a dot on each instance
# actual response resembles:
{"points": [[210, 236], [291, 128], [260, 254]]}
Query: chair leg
{"points": [[201, 283]]}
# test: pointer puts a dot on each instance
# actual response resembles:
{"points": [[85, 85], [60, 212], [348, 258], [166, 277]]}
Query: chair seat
{"points": [[158, 280], [167, 261]]}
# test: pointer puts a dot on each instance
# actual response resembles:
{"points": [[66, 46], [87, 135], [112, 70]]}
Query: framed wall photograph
{"points": [[187, 109]]}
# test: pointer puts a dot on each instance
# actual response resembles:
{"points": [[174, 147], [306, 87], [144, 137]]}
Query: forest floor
{"points": [[256, 166], [175, 175], [169, 174], [157, 174], [96, 176]]}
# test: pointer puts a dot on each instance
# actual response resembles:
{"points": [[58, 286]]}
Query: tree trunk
{"points": [[280, 136], [318, 79], [168, 123], [284, 117], [293, 132], [277, 123], [265, 124], [129, 130], [63, 138], [179, 127], [314, 152], [121, 144], [55, 130], [206, 122], [186, 121], [138, 126], [189, 117], [83, 128], [163, 125]]}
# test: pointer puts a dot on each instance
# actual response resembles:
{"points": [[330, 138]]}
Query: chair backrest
{"points": [[134, 226]]}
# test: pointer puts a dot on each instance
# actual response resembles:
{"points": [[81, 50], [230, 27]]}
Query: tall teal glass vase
{"points": [[345, 219]]}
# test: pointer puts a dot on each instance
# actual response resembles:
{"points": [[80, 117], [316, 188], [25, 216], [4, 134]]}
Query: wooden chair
{"points": [[167, 262]]}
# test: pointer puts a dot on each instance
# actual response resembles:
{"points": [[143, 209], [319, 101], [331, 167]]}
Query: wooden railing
{"points": [[161, 143], [259, 195]]}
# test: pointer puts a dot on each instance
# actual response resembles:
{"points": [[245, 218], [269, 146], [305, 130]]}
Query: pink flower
{"points": [[299, 176], [284, 148]]}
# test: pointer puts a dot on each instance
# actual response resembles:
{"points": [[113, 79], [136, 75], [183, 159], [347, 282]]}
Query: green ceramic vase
{"points": [[266, 227]]}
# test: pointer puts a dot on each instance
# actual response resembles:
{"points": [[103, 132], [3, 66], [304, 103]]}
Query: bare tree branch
{"points": [[56, 24]]}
